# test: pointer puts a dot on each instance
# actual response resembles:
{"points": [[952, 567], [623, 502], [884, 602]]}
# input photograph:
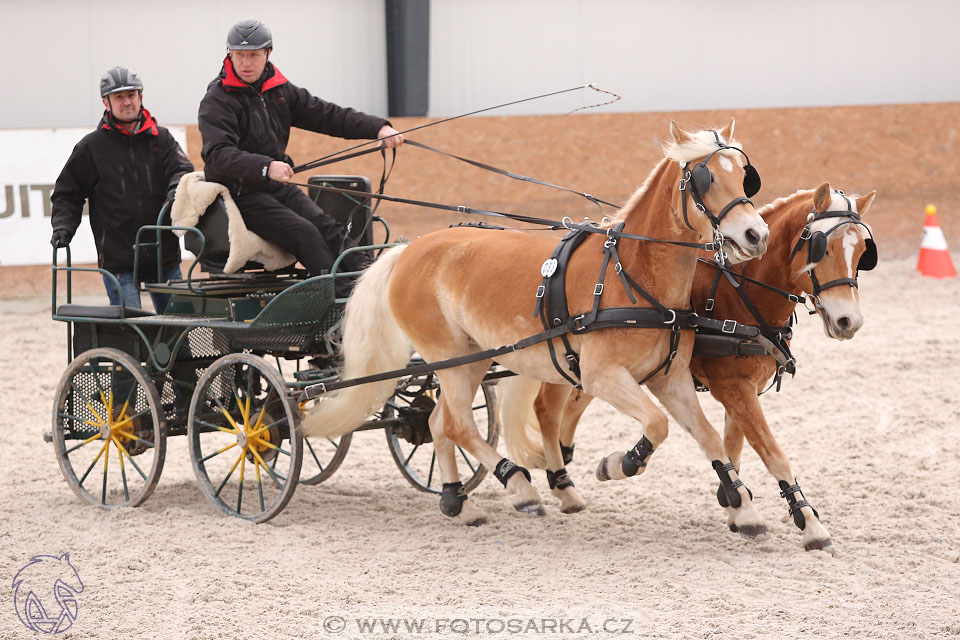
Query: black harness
{"points": [[816, 242], [551, 305], [773, 340]]}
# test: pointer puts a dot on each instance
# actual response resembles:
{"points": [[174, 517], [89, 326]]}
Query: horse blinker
{"points": [[816, 247]]}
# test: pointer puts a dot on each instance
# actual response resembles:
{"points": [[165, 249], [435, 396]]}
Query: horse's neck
{"points": [[786, 220], [665, 271]]}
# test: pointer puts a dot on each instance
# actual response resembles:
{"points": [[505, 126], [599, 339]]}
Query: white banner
{"points": [[30, 161]]}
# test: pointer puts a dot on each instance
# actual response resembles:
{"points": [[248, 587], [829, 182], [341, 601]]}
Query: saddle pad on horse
{"points": [[195, 195]]}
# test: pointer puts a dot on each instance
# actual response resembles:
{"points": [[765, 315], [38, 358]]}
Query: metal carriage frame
{"points": [[201, 369]]}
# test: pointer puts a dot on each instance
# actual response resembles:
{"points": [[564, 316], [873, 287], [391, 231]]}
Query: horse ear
{"points": [[727, 132], [679, 135], [821, 198], [864, 202]]}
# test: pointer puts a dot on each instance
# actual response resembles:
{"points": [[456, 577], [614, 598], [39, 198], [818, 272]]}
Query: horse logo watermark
{"points": [[45, 593]]}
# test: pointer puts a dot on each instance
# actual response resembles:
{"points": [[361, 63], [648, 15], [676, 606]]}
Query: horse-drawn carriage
{"points": [[200, 370], [222, 365]]}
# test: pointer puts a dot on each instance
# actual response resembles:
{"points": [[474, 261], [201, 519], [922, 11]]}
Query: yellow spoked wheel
{"points": [[108, 429], [244, 446]]}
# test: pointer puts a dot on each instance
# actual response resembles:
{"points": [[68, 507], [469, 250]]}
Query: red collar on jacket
{"points": [[149, 124], [231, 81]]}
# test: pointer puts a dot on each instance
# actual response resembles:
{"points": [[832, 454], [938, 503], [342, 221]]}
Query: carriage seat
{"points": [[107, 312], [230, 246]]}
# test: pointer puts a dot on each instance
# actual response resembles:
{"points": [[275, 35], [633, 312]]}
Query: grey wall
{"points": [[334, 48], [659, 54], [693, 54]]}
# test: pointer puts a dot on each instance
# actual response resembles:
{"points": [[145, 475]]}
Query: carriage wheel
{"points": [[239, 434], [322, 457], [410, 444], [108, 429]]}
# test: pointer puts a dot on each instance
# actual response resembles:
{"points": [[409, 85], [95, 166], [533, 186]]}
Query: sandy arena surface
{"points": [[871, 426]]}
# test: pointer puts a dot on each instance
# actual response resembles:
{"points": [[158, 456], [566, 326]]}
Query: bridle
{"points": [[817, 241], [699, 179]]}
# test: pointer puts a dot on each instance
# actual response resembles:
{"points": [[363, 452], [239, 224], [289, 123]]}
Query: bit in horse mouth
{"points": [[732, 248]]}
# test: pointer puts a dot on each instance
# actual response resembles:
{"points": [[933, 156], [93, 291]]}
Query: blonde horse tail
{"points": [[518, 421], [372, 343]]}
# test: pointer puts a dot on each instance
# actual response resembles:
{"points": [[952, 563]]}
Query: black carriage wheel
{"points": [[417, 462], [323, 456], [245, 447], [108, 429]]}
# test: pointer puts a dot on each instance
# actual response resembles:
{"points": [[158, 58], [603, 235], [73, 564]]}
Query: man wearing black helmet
{"points": [[125, 169], [245, 120]]}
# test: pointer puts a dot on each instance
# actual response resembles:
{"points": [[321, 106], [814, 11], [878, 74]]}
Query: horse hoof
{"points": [[733, 527], [532, 508], [574, 508], [473, 521], [471, 515], [602, 474], [821, 545], [754, 532]]}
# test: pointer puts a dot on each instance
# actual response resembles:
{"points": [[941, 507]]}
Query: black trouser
{"points": [[293, 222]]}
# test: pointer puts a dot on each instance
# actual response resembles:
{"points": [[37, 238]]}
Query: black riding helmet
{"points": [[119, 79], [249, 35]]}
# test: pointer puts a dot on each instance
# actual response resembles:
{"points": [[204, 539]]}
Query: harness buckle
{"points": [[618, 268], [611, 240], [702, 208], [541, 290], [709, 305], [806, 233], [673, 317], [729, 326], [578, 325], [598, 289], [683, 184], [461, 208], [792, 298], [566, 225]]}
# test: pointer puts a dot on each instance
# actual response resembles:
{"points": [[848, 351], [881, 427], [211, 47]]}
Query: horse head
{"points": [[715, 189], [834, 246]]}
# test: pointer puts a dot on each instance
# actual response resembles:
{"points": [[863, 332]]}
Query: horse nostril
{"points": [[844, 323], [753, 237]]}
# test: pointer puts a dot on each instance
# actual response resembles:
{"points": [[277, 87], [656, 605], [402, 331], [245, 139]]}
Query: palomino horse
{"points": [[818, 243], [463, 290]]}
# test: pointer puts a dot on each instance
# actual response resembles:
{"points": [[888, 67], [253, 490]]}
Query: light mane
{"points": [[702, 143], [634, 200], [779, 202]]}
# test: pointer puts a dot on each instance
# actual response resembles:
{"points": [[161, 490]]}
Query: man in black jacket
{"points": [[125, 169], [245, 120]]}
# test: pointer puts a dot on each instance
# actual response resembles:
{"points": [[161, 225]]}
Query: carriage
{"points": [[225, 365]]}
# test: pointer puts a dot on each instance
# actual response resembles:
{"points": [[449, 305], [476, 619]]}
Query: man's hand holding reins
{"points": [[389, 137], [280, 171]]}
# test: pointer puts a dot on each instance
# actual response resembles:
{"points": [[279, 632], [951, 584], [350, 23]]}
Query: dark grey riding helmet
{"points": [[119, 79], [248, 35]]}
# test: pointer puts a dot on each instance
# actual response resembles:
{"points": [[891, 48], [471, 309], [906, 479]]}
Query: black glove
{"points": [[60, 238]]}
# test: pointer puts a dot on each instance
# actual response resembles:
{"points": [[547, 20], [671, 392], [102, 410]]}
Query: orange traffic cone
{"points": [[934, 260]]}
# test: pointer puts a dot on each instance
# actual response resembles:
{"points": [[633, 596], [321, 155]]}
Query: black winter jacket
{"points": [[245, 129], [126, 179]]}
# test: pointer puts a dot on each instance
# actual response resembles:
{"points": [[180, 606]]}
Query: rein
{"points": [[319, 162], [565, 223], [561, 323]]}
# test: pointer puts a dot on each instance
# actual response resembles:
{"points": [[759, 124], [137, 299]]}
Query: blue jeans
{"points": [[130, 291]]}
